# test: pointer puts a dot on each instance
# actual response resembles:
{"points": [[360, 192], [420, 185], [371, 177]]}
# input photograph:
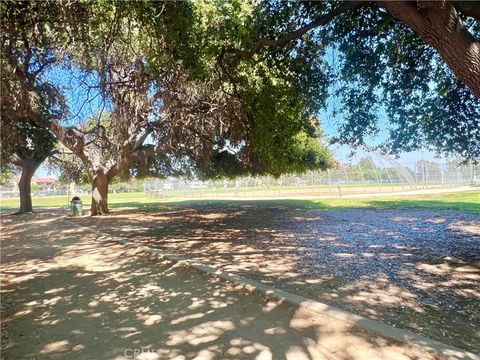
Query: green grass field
{"points": [[463, 201], [286, 190], [63, 200]]}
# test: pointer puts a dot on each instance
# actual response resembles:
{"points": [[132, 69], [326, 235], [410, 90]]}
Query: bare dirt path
{"points": [[68, 294], [415, 269]]}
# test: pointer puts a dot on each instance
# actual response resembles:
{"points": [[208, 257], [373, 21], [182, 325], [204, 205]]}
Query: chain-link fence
{"points": [[363, 177], [367, 174]]}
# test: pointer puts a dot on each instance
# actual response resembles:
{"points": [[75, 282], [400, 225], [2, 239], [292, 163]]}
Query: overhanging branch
{"points": [[469, 8], [294, 35]]}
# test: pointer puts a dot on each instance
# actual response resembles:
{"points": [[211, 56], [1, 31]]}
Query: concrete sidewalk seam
{"points": [[373, 326]]}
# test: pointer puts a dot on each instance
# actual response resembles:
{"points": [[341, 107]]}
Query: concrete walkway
{"points": [[68, 293]]}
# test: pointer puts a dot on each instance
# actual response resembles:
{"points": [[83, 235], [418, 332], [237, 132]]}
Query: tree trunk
{"points": [[439, 25], [24, 186], [99, 195]]}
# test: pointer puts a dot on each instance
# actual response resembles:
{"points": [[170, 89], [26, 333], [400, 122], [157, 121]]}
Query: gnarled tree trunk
{"points": [[99, 194], [439, 25], [24, 186]]}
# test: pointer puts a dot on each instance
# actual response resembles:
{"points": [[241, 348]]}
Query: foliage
{"points": [[278, 128], [163, 111], [35, 187], [384, 66], [381, 71], [24, 143], [7, 174]]}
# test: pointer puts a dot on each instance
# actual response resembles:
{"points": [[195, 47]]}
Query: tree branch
{"points": [[439, 25], [294, 35], [43, 66], [469, 8], [143, 136]]}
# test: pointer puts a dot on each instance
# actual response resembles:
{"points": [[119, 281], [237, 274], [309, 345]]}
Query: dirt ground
{"points": [[69, 294], [415, 269]]}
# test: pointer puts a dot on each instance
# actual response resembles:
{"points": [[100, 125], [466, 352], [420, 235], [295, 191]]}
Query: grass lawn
{"points": [[464, 201], [63, 200]]}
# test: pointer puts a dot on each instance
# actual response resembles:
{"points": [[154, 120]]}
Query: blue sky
{"points": [[330, 124], [81, 91]]}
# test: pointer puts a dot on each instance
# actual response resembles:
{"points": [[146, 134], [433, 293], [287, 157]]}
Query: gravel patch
{"points": [[415, 269]]}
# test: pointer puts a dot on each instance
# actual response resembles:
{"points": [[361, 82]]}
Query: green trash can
{"points": [[76, 208]]}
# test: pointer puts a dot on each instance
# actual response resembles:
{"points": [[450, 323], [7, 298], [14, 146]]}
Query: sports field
{"points": [[463, 201]]}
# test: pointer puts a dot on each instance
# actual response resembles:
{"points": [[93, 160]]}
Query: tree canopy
{"points": [[24, 143], [154, 109], [413, 67]]}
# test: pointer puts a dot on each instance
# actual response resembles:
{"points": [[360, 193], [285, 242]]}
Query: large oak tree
{"points": [[24, 143], [156, 112], [27, 146]]}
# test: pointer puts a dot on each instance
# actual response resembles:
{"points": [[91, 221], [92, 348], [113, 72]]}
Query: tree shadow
{"points": [[72, 295], [416, 269]]}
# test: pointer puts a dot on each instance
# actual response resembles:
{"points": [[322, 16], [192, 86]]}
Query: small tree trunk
{"points": [[24, 186], [99, 195]]}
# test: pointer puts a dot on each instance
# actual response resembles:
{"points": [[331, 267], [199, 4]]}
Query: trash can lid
{"points": [[76, 198]]}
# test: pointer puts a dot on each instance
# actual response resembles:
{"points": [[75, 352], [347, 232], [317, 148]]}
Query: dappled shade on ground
{"points": [[416, 269], [70, 294]]}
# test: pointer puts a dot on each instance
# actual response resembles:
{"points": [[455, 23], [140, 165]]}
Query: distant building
{"points": [[44, 183]]}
